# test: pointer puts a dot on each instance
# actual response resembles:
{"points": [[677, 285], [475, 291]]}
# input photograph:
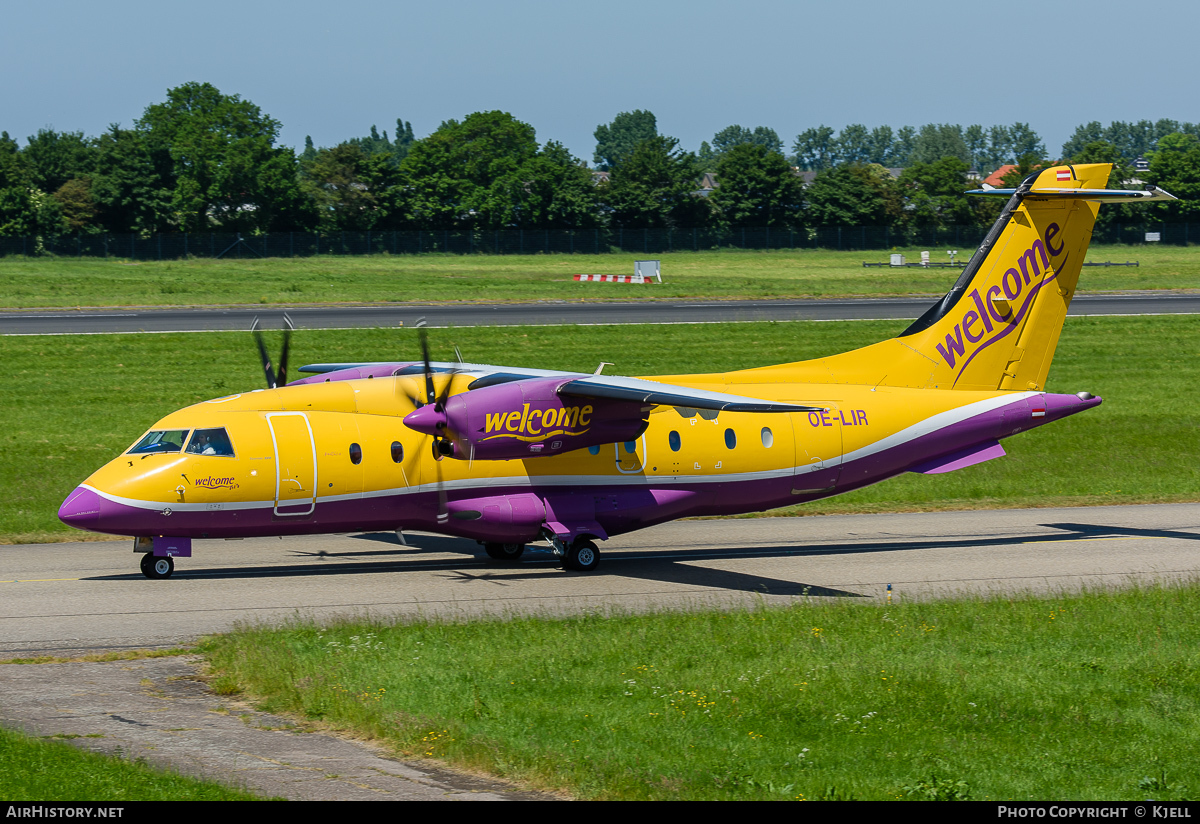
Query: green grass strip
{"points": [[51, 770], [66, 282], [1095, 696]]}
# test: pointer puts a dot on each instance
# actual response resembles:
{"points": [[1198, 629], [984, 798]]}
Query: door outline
{"points": [[312, 502], [617, 447], [825, 472]]}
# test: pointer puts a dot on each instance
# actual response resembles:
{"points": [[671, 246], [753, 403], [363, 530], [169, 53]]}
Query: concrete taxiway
{"points": [[560, 312], [68, 598]]}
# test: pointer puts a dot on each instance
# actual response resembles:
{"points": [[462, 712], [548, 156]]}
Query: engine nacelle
{"points": [[527, 418]]}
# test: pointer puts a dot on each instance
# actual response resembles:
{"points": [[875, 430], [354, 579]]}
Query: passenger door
{"points": [[295, 464]]}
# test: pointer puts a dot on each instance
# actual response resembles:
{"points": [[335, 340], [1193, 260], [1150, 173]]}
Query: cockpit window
{"points": [[211, 442], [160, 440]]}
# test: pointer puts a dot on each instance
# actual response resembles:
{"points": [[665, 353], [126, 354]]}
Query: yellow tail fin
{"points": [[998, 327]]}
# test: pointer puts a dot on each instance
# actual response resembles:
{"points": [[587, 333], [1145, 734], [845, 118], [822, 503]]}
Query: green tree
{"points": [[377, 144], [551, 190], [53, 158], [975, 139], [933, 194], [999, 149], [731, 136], [881, 146], [757, 187], [938, 140], [853, 195], [129, 193], [1025, 141], [617, 140], [1101, 151], [17, 213], [449, 177], [1084, 134], [815, 149], [218, 154], [77, 205], [854, 145], [338, 183], [655, 187], [905, 143], [1175, 166]]}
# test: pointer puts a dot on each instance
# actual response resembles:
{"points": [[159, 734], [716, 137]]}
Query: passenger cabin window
{"points": [[160, 440], [211, 442], [673, 440], [355, 454], [767, 438], [397, 451], [730, 438]]}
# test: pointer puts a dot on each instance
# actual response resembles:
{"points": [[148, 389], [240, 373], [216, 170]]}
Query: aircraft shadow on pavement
{"points": [[1100, 531], [665, 566]]}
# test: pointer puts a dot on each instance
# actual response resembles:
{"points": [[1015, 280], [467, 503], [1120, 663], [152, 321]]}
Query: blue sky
{"points": [[333, 69]]}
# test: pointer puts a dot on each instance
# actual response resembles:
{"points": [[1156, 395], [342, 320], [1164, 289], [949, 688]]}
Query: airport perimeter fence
{"points": [[175, 246]]}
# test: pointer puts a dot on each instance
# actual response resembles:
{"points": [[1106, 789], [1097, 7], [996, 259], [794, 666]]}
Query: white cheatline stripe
{"points": [[928, 426], [934, 423]]}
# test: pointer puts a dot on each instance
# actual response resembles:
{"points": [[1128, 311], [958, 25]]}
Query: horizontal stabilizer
{"points": [[1151, 194], [961, 459]]}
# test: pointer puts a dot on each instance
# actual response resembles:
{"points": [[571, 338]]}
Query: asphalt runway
{"points": [[90, 321], [69, 598]]}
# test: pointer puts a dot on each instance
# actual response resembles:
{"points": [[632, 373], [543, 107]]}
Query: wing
{"points": [[666, 394], [600, 387]]}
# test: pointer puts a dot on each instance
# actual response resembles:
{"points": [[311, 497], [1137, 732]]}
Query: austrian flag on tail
{"points": [[1064, 174], [1038, 406]]}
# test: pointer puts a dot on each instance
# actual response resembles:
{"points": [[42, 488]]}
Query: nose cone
{"points": [[81, 509]]}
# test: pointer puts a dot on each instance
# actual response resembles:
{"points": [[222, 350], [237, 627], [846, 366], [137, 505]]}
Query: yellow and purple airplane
{"points": [[511, 456]]}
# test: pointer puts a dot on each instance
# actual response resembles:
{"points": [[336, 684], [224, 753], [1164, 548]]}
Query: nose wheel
{"points": [[157, 568]]}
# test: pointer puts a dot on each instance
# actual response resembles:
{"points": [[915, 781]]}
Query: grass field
{"points": [[1089, 697], [64, 282], [37, 769], [71, 403]]}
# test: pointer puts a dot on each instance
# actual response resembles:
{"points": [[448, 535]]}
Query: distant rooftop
{"points": [[996, 178]]}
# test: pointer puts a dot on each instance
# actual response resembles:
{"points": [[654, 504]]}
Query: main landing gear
{"points": [[580, 556], [504, 552], [157, 568]]}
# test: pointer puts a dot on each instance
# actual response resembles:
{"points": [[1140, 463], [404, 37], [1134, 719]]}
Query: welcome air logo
{"points": [[216, 483], [536, 424], [986, 323]]}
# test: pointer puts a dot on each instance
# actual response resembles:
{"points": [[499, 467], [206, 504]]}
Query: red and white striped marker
{"points": [[1064, 174], [612, 278]]}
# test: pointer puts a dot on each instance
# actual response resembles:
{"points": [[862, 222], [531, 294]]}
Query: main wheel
{"points": [[157, 568], [582, 556], [504, 552]]}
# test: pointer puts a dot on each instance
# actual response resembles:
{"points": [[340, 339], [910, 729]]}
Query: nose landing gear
{"points": [[157, 568], [581, 556]]}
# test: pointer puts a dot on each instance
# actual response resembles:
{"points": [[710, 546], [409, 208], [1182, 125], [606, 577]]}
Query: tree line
{"points": [[206, 161]]}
